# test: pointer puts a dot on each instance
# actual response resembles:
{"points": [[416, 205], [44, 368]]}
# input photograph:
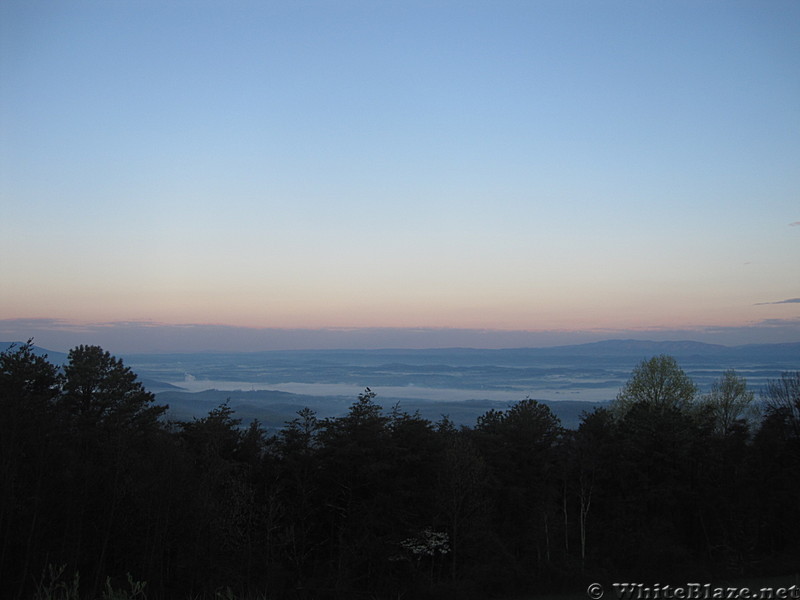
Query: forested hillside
{"points": [[101, 493]]}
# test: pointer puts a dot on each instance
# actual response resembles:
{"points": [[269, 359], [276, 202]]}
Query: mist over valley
{"points": [[460, 383]]}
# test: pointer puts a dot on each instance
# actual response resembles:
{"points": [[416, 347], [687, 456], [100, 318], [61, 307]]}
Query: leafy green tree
{"points": [[782, 400], [730, 404], [725, 418], [659, 383], [646, 483]]}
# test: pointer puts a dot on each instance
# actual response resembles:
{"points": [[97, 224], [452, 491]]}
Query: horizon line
{"points": [[151, 337]]}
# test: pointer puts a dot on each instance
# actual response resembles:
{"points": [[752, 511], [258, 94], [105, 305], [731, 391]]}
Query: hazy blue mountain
{"points": [[57, 358]]}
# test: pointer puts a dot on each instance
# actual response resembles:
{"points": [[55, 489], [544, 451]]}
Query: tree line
{"points": [[101, 492]]}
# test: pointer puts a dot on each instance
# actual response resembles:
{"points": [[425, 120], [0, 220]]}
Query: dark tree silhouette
{"points": [[378, 503], [30, 461]]}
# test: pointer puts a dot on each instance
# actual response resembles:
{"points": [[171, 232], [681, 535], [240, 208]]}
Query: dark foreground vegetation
{"points": [[101, 498]]}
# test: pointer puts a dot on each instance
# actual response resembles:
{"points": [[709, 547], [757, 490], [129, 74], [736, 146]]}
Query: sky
{"points": [[384, 173]]}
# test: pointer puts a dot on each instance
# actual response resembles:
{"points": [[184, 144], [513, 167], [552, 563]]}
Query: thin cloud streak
{"points": [[787, 301]]}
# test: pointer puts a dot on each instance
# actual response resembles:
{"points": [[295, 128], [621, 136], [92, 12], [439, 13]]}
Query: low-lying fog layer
{"points": [[592, 372], [410, 391]]}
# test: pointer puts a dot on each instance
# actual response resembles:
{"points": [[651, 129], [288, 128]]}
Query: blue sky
{"points": [[516, 166]]}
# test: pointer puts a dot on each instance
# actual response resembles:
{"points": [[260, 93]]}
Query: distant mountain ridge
{"points": [[610, 348], [675, 348], [627, 347], [56, 358], [787, 353]]}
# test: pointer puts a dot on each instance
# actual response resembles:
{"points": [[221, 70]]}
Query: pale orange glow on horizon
{"points": [[421, 183], [569, 315]]}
